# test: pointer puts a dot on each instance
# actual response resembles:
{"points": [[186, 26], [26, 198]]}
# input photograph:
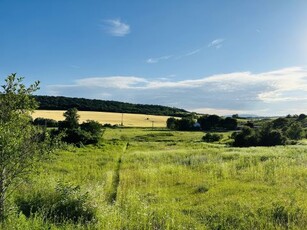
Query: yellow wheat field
{"points": [[129, 120]]}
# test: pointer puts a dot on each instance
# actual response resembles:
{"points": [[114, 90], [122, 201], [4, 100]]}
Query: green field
{"points": [[157, 179]]}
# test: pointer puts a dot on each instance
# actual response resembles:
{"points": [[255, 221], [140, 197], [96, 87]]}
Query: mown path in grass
{"points": [[116, 177]]}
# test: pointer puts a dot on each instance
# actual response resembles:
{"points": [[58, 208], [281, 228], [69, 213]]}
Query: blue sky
{"points": [[216, 56]]}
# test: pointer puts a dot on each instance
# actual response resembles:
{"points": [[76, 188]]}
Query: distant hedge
{"points": [[82, 104]]}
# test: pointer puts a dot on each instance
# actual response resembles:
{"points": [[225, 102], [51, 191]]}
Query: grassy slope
{"points": [[171, 180]]}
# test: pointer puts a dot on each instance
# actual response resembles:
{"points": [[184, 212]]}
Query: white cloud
{"points": [[176, 57], [192, 52], [118, 82], [116, 28], [156, 60], [218, 111], [217, 43], [268, 93]]}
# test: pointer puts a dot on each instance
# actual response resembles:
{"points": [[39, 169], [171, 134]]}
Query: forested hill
{"points": [[82, 104]]}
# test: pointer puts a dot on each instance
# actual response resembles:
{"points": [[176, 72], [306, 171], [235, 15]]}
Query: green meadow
{"points": [[158, 179]]}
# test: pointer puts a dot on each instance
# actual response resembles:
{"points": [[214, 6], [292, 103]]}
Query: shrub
{"points": [[80, 137], [64, 203], [265, 136], [93, 127], [247, 137], [212, 137], [229, 123], [183, 124], [45, 122], [88, 132], [295, 131], [280, 123]]}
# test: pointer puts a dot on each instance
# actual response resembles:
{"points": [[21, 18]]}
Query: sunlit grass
{"points": [[172, 180]]}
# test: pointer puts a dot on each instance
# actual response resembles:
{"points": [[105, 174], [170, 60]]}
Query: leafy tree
{"points": [[71, 119], [270, 136], [88, 132], [235, 116], [249, 124], [302, 116], [171, 123], [209, 122], [295, 131], [94, 129], [265, 136], [229, 123], [21, 143], [280, 123], [185, 124], [214, 122], [247, 137], [274, 137]]}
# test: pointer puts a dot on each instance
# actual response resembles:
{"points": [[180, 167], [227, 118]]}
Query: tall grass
{"points": [[172, 180]]}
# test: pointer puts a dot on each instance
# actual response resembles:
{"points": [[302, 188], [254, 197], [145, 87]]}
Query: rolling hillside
{"points": [[82, 104]]}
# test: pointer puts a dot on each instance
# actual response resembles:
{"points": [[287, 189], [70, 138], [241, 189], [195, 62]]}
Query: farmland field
{"points": [[139, 178], [129, 120]]}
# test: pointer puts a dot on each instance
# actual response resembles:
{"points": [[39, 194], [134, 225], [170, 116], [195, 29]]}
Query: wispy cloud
{"points": [[217, 43], [156, 60], [192, 52], [119, 82], [187, 54], [175, 57], [75, 66], [267, 93], [116, 27]]}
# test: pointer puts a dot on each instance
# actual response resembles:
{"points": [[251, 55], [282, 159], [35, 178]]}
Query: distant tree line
{"points": [[280, 131], [82, 104], [205, 123]]}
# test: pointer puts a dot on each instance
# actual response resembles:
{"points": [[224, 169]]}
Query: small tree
{"points": [[229, 123], [71, 119], [209, 122], [88, 132], [21, 143], [302, 116], [171, 123]]}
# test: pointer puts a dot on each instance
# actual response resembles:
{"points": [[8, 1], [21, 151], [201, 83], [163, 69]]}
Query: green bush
{"points": [[88, 132], [92, 127], [212, 137], [295, 131], [265, 136], [45, 122], [65, 203]]}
